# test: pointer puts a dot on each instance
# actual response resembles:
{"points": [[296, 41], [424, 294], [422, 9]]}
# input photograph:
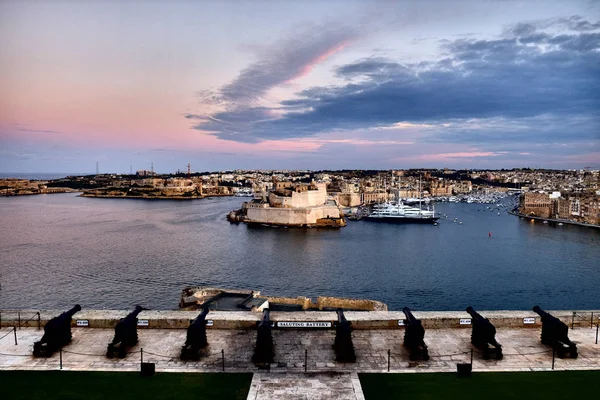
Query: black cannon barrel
{"points": [[471, 311], [64, 318], [201, 317], [204, 312], [409, 315], [266, 319], [540, 312], [76, 308], [136, 311], [341, 317]]}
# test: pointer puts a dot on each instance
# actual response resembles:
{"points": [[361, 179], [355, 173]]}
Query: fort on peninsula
{"points": [[291, 204]]}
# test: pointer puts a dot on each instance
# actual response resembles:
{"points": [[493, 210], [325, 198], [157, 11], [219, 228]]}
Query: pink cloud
{"points": [[307, 69]]}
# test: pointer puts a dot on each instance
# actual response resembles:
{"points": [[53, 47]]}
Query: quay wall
{"points": [[554, 220], [247, 320], [291, 216]]}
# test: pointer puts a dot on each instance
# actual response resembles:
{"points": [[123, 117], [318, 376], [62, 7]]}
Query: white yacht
{"points": [[244, 192], [401, 213]]}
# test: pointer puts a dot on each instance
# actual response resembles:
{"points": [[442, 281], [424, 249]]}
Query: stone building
{"points": [[537, 204], [374, 197], [348, 199], [440, 188], [462, 187]]}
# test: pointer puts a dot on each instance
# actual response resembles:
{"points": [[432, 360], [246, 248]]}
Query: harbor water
{"points": [[58, 250]]}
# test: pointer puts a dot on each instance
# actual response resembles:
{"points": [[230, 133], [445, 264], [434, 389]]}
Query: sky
{"points": [[299, 84]]}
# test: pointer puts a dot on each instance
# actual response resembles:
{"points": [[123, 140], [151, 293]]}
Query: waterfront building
{"points": [[374, 197], [579, 207], [537, 204]]}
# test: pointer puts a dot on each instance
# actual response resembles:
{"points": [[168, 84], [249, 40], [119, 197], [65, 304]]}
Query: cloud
{"points": [[286, 60], [36, 130], [536, 81]]}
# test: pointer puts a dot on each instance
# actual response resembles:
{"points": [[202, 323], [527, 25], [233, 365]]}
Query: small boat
{"points": [[560, 224], [545, 222]]}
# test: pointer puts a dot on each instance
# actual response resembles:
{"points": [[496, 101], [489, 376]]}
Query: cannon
{"points": [[57, 333], [263, 351], [555, 334], [483, 335], [342, 345], [196, 337], [125, 334], [413, 337]]}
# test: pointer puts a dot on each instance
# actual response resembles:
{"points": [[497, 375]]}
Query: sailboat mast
{"points": [[420, 194]]}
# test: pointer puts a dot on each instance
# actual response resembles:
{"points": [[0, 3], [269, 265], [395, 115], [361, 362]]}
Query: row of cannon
{"points": [[57, 333]]}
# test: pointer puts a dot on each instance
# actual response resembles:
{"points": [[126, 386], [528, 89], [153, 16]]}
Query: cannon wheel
{"points": [[499, 355], [122, 352], [574, 353]]}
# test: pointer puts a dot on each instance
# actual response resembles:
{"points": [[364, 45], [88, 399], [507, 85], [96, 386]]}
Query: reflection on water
{"points": [[60, 249]]}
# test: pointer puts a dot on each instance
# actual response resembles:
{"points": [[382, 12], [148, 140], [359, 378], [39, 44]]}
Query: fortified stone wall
{"points": [[247, 320], [309, 198], [291, 216]]}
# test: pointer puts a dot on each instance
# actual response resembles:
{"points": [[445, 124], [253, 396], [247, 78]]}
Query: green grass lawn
{"points": [[483, 385], [67, 385]]}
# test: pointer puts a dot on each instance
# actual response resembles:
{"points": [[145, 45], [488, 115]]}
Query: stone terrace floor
{"points": [[522, 351], [326, 379]]}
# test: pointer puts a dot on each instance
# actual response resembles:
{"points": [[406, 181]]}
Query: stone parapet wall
{"points": [[247, 320]]}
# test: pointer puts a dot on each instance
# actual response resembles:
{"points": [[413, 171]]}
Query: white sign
{"points": [[82, 322], [400, 322], [142, 322], [465, 321], [294, 324], [530, 320], [209, 322]]}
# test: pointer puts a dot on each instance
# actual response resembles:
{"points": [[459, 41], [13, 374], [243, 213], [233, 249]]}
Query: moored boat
{"points": [[401, 213]]}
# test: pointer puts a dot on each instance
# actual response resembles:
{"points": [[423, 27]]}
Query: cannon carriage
{"points": [[196, 338], [483, 335], [264, 351], [57, 333], [555, 334], [125, 335], [414, 337], [342, 345]]}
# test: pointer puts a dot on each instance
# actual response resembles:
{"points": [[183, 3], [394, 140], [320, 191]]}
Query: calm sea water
{"points": [[57, 250]]}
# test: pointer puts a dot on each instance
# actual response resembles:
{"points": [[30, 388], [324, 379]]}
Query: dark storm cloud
{"points": [[527, 73]]}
